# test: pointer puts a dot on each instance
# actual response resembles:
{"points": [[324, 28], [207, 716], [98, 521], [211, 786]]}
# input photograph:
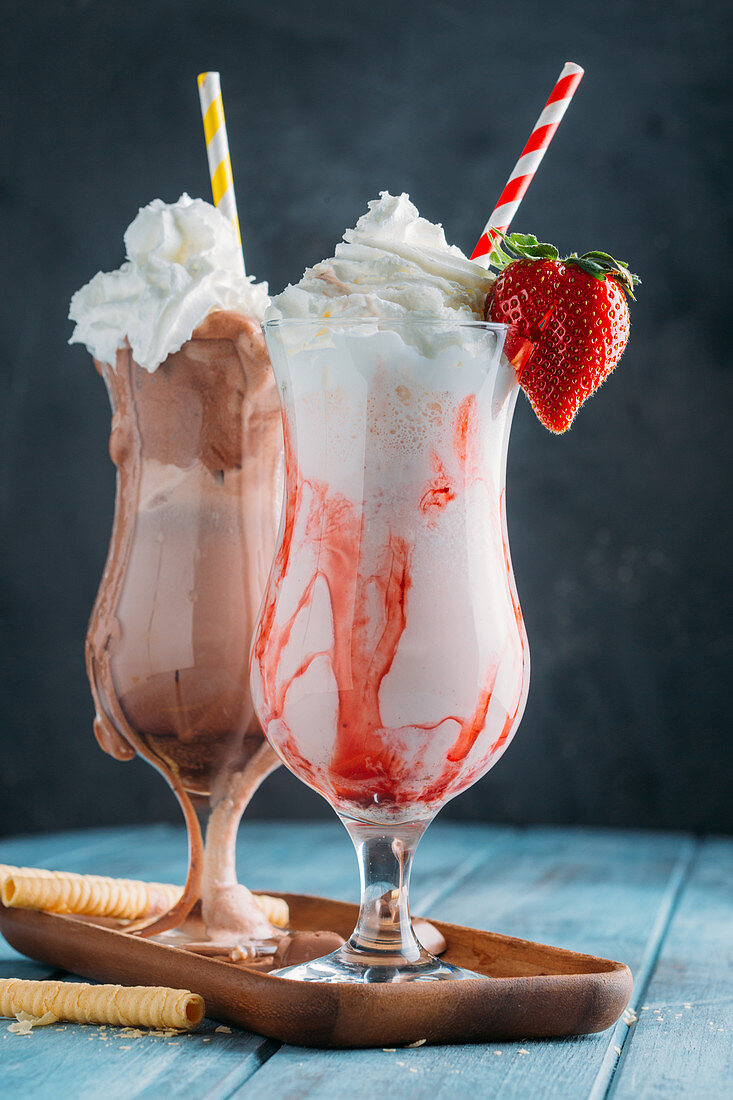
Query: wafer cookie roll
{"points": [[100, 896], [7, 870], [275, 909], [122, 1006], [90, 895]]}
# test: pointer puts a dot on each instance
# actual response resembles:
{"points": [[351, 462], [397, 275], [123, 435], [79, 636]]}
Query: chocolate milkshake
{"points": [[196, 440]]}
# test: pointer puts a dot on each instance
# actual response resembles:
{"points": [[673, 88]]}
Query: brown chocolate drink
{"points": [[198, 449]]}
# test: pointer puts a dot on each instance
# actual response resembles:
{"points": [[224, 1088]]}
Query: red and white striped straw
{"points": [[529, 161]]}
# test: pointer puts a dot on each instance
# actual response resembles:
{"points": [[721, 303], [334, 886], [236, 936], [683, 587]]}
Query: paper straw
{"points": [[217, 149], [528, 163]]}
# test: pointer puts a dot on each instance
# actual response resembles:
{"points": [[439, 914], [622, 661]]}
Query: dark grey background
{"points": [[620, 531]]}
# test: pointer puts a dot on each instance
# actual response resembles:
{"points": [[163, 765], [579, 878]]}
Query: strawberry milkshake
{"points": [[390, 664], [197, 443]]}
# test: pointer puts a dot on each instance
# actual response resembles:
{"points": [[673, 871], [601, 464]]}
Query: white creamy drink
{"points": [[390, 664]]}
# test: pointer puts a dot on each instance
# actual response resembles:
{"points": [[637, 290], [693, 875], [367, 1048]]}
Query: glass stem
{"points": [[383, 933]]}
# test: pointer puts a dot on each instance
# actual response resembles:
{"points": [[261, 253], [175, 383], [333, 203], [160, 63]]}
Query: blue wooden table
{"points": [[661, 903]]}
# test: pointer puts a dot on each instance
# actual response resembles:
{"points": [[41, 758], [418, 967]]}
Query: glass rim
{"points": [[388, 322]]}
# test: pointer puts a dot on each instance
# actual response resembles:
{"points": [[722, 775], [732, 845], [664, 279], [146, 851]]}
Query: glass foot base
{"points": [[343, 966]]}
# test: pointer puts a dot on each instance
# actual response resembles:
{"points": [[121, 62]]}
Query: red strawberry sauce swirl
{"points": [[362, 575]]}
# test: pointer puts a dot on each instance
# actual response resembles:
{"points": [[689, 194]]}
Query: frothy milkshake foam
{"points": [[183, 260]]}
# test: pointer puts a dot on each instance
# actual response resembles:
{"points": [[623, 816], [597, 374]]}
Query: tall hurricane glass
{"points": [[389, 665], [198, 450]]}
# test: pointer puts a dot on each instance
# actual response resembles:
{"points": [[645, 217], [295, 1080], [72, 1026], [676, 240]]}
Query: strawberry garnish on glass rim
{"points": [[568, 318]]}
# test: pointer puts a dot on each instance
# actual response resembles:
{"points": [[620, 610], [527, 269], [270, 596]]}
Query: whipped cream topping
{"points": [[183, 260], [393, 265]]}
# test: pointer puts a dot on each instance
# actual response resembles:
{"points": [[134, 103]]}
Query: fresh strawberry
{"points": [[569, 321]]}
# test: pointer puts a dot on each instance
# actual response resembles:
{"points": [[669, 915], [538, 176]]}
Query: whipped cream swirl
{"points": [[183, 260], [393, 265]]}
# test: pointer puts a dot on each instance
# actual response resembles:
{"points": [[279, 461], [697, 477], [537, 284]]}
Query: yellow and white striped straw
{"points": [[217, 149]]}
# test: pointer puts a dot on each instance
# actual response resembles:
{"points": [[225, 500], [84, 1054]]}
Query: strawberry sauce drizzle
{"points": [[466, 439], [368, 764], [439, 491]]}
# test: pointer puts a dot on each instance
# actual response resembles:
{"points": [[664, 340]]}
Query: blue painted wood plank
{"points": [[90, 1062], [596, 891], [589, 891], [46, 849], [621, 1034], [682, 1044]]}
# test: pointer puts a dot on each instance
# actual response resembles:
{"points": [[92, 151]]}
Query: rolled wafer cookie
{"points": [[99, 896], [122, 1006], [91, 895], [275, 909]]}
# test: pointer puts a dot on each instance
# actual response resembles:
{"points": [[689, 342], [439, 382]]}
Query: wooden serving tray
{"points": [[529, 990]]}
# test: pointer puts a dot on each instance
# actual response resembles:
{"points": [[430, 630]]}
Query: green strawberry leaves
{"points": [[600, 265], [519, 246], [510, 247]]}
